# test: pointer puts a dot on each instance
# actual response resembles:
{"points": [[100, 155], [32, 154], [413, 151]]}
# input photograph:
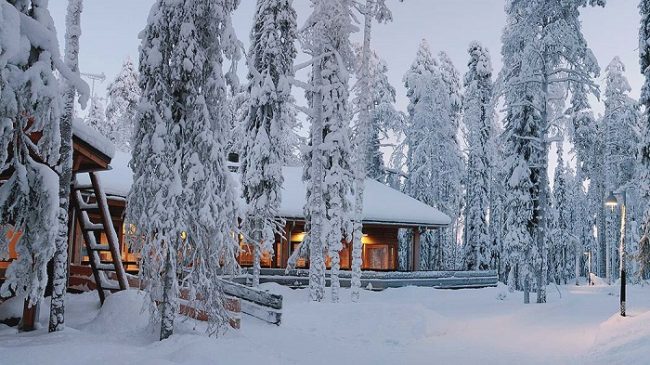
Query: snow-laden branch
{"points": [[310, 62], [305, 110], [295, 82], [42, 37]]}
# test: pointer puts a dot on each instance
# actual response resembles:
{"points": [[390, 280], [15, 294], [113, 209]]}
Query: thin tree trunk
{"points": [[316, 238], [257, 258], [362, 158], [168, 304], [60, 273]]}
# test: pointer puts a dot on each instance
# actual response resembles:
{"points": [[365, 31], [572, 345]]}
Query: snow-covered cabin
{"points": [[385, 211], [91, 152]]}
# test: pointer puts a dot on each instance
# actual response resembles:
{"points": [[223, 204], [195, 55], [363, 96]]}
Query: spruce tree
{"points": [[268, 123], [182, 200], [620, 146], [123, 95], [477, 117]]}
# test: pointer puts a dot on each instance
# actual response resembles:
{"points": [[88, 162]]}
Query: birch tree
{"points": [[64, 167]]}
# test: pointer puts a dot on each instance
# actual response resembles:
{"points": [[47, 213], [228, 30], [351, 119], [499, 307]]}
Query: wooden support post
{"points": [[416, 249], [30, 317]]}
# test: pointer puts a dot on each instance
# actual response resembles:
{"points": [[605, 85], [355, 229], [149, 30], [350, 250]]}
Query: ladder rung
{"points": [[112, 285], [93, 226], [99, 247], [82, 187], [105, 267], [88, 206]]}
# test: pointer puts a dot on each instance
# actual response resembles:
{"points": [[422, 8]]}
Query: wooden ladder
{"points": [[83, 202]]}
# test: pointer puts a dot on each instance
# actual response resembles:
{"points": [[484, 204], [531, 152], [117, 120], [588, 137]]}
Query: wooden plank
{"points": [[252, 295], [264, 313], [86, 235], [109, 230]]}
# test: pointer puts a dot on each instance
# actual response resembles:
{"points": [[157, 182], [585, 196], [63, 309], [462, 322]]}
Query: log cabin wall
{"points": [[379, 250]]}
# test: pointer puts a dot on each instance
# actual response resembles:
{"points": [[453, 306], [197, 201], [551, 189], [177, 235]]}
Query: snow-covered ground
{"points": [[578, 325]]}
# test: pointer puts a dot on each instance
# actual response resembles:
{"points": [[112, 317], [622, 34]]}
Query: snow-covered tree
{"points": [[30, 104], [182, 200], [372, 89], [433, 158], [268, 123], [477, 118], [96, 117], [328, 171], [123, 95], [544, 51], [643, 156], [383, 116], [561, 240], [64, 168], [620, 147]]}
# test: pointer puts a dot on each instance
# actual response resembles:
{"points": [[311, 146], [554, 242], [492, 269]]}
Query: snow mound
{"points": [[11, 308], [622, 340], [121, 313]]}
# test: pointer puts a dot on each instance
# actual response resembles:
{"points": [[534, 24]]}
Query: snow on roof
{"points": [[382, 204], [91, 136]]}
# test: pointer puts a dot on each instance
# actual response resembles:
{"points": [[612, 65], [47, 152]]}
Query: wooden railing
{"points": [[377, 280]]}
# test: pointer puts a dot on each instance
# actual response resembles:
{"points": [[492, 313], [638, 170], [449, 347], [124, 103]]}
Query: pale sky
{"points": [[110, 33]]}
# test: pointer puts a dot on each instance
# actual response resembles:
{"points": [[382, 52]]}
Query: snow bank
{"points": [[623, 340], [11, 308], [121, 313]]}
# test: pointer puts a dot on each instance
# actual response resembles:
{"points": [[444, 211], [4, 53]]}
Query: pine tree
{"points": [[477, 117], [543, 50], [30, 103], [123, 95], [268, 123], [64, 168], [328, 169], [182, 200]]}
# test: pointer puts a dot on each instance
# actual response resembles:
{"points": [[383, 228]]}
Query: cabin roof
{"points": [[92, 138], [382, 204]]}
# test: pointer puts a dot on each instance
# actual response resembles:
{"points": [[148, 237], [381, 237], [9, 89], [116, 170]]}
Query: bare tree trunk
{"points": [[316, 237], [362, 158]]}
